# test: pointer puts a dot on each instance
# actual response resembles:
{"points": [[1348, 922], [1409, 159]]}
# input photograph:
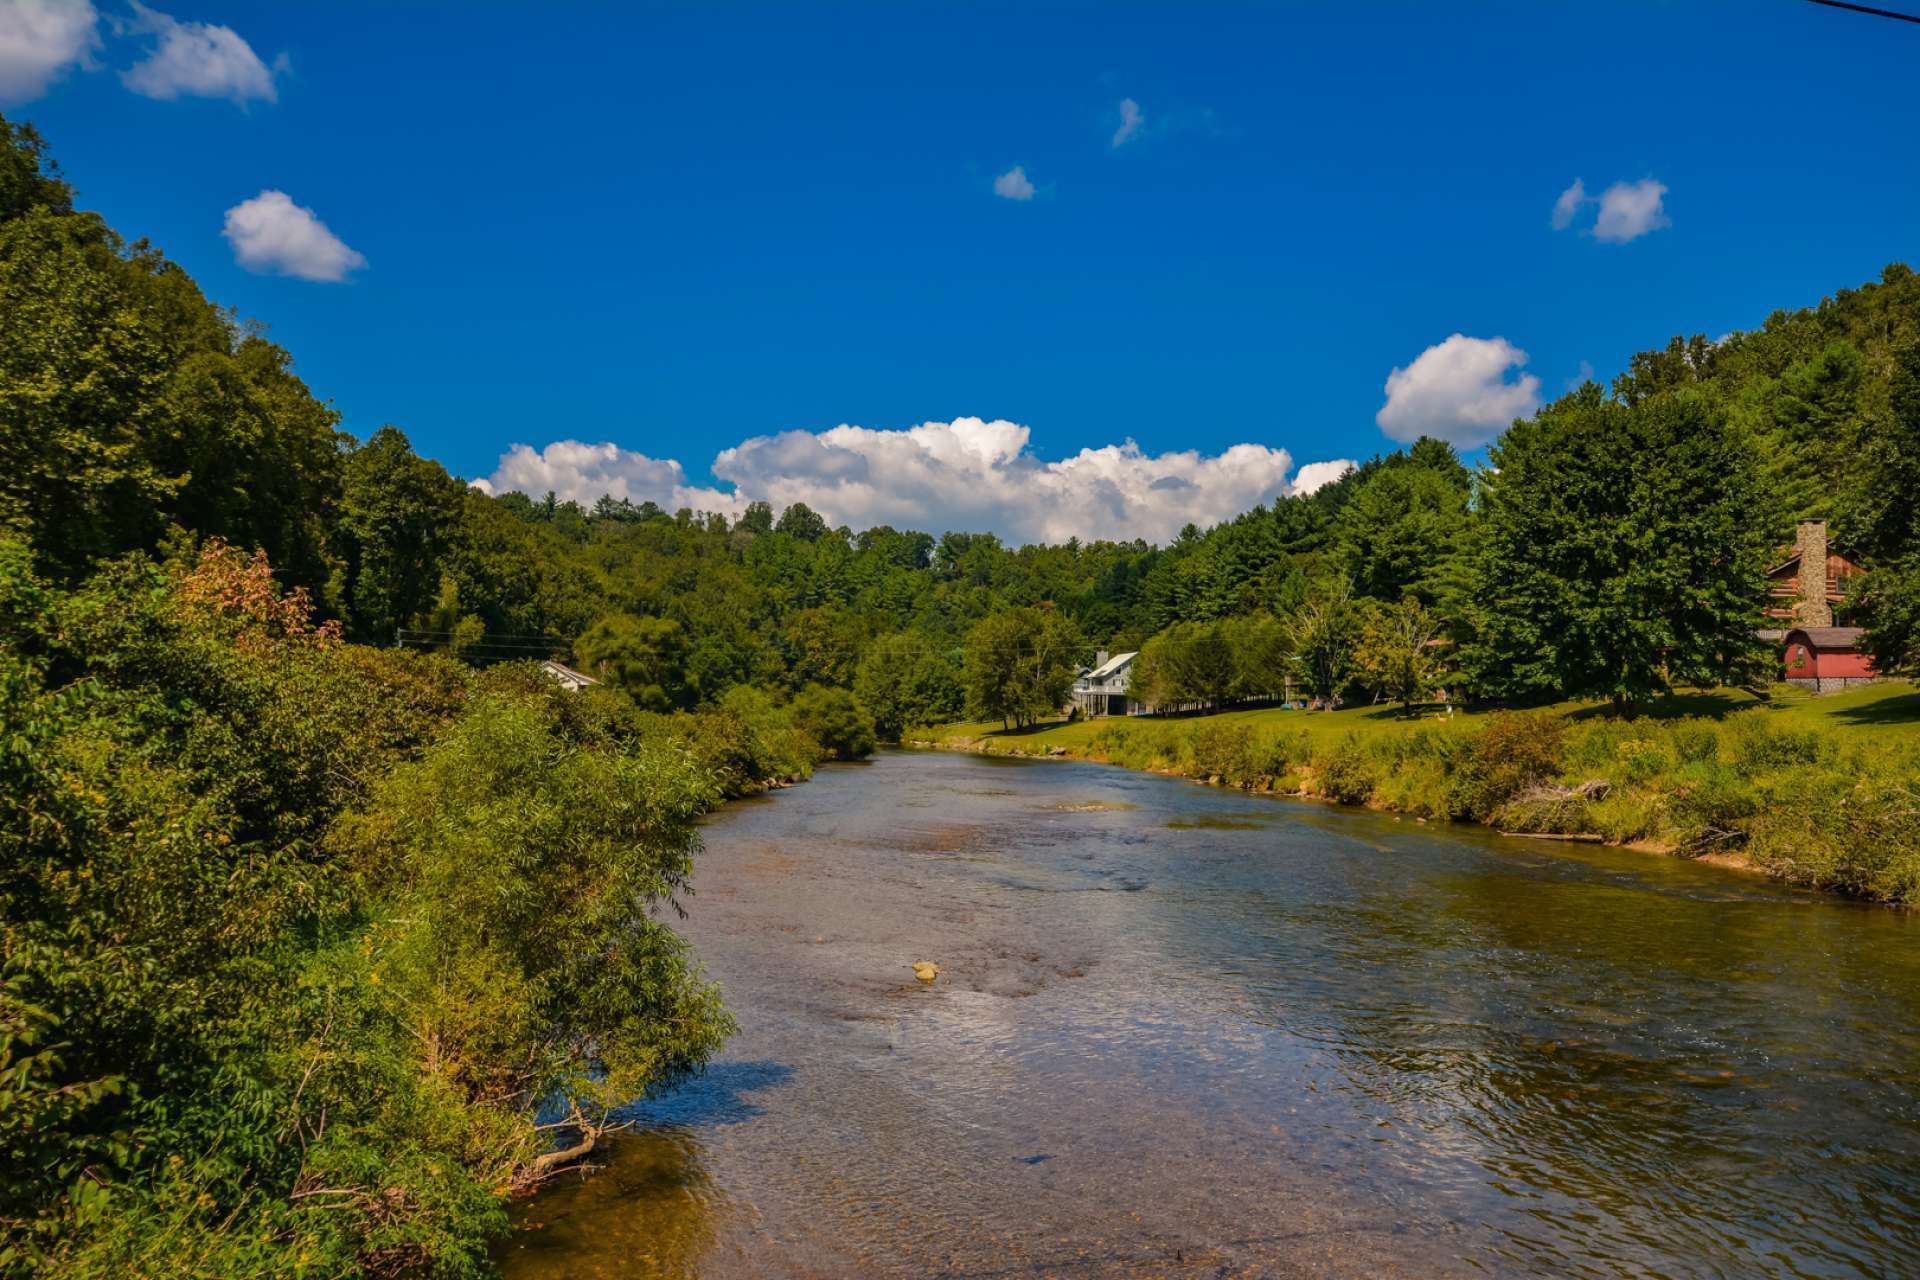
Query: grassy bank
{"points": [[1823, 792]]}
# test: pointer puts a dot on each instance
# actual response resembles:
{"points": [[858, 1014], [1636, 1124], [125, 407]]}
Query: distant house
{"points": [[1101, 689], [1804, 587], [1827, 659], [566, 676]]}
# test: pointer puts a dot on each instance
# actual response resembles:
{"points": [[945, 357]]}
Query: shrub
{"points": [[1223, 751], [836, 720], [1349, 773], [1514, 751], [1709, 807]]}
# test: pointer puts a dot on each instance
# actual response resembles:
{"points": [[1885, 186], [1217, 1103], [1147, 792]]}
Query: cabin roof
{"points": [[566, 672], [1830, 637], [1112, 665]]}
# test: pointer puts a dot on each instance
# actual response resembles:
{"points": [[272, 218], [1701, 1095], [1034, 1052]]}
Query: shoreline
{"points": [[1739, 862]]}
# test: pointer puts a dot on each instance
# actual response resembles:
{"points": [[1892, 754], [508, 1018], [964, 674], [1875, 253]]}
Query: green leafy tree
{"points": [[397, 513], [645, 657], [803, 522], [1621, 555], [1020, 665], [836, 720], [1399, 651], [1324, 634], [905, 681]]}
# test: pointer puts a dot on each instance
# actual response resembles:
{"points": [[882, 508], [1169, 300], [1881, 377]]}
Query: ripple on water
{"points": [[1179, 1035]]}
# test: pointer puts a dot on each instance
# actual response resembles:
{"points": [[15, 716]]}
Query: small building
{"points": [[1101, 689], [1827, 659], [1804, 587], [566, 676]]}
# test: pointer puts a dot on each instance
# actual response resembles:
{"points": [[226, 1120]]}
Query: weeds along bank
{"points": [[1812, 805], [297, 936]]}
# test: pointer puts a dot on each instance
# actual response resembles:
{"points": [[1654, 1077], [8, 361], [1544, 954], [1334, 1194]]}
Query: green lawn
{"points": [[1892, 708]]}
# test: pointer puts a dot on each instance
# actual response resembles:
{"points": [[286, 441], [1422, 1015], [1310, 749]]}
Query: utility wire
{"points": [[1868, 9]]}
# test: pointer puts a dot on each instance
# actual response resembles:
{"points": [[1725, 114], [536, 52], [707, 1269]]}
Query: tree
{"points": [[905, 682], [1401, 529], [803, 522], [757, 518], [1324, 632], [836, 720], [1020, 665], [643, 656], [396, 515], [1398, 652], [1621, 554]]}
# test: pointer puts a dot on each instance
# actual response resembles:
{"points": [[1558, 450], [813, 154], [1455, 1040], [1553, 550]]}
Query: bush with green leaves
{"points": [[835, 719], [298, 936]]}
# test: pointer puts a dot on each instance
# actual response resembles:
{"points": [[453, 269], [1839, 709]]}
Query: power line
{"points": [[1868, 9]]}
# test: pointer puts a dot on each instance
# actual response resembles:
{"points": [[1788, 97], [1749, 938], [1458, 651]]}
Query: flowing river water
{"points": [[1183, 1031]]}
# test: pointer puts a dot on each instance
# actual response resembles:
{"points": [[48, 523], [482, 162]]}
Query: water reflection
{"points": [[651, 1212], [1179, 1031]]}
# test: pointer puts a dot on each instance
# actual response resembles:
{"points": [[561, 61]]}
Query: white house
{"points": [[566, 676], [1101, 690]]}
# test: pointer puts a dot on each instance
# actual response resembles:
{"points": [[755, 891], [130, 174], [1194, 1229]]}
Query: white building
{"points": [[1101, 690]]}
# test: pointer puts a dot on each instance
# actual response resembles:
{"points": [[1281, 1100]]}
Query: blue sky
{"points": [[678, 229]]}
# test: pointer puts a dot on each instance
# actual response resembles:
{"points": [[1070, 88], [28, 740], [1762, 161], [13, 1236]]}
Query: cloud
{"points": [[1458, 391], [584, 472], [1130, 121], [1013, 184], [1317, 475], [271, 235], [967, 474], [40, 40], [1568, 205], [1629, 210], [195, 60], [1581, 378]]}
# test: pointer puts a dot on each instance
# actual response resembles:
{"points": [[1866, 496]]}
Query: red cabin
{"points": [[1827, 659]]}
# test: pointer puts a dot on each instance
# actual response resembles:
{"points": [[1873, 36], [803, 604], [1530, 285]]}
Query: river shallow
{"points": [[1183, 1031]]}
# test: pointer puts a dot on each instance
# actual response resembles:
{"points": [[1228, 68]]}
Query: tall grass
{"points": [[1814, 806]]}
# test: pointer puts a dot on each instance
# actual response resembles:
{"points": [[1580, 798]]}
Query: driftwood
{"points": [[1578, 837], [547, 1164]]}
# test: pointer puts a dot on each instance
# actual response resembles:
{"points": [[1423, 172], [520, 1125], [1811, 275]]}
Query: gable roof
{"points": [[1830, 637], [1112, 665]]}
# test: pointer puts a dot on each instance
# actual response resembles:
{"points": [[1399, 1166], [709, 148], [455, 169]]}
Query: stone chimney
{"points": [[1099, 659], [1810, 540]]}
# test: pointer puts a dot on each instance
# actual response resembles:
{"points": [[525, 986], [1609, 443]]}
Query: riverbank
{"points": [[1816, 792]]}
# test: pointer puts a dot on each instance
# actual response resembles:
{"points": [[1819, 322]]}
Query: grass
{"points": [[1822, 791], [1892, 708]]}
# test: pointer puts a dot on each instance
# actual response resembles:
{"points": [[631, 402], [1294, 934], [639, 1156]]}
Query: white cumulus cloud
{"points": [[967, 474], [195, 60], [40, 40], [585, 472], [1458, 391], [1317, 475], [272, 235], [1130, 121], [1014, 184], [1629, 210]]}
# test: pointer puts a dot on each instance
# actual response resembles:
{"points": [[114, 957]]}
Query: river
{"points": [[1184, 1031]]}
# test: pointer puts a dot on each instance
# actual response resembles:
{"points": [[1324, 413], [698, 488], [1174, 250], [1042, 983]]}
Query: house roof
{"points": [[1112, 665], [1830, 637], [566, 672]]}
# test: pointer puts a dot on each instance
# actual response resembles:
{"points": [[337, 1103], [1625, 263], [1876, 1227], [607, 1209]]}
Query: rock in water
{"points": [[925, 970]]}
